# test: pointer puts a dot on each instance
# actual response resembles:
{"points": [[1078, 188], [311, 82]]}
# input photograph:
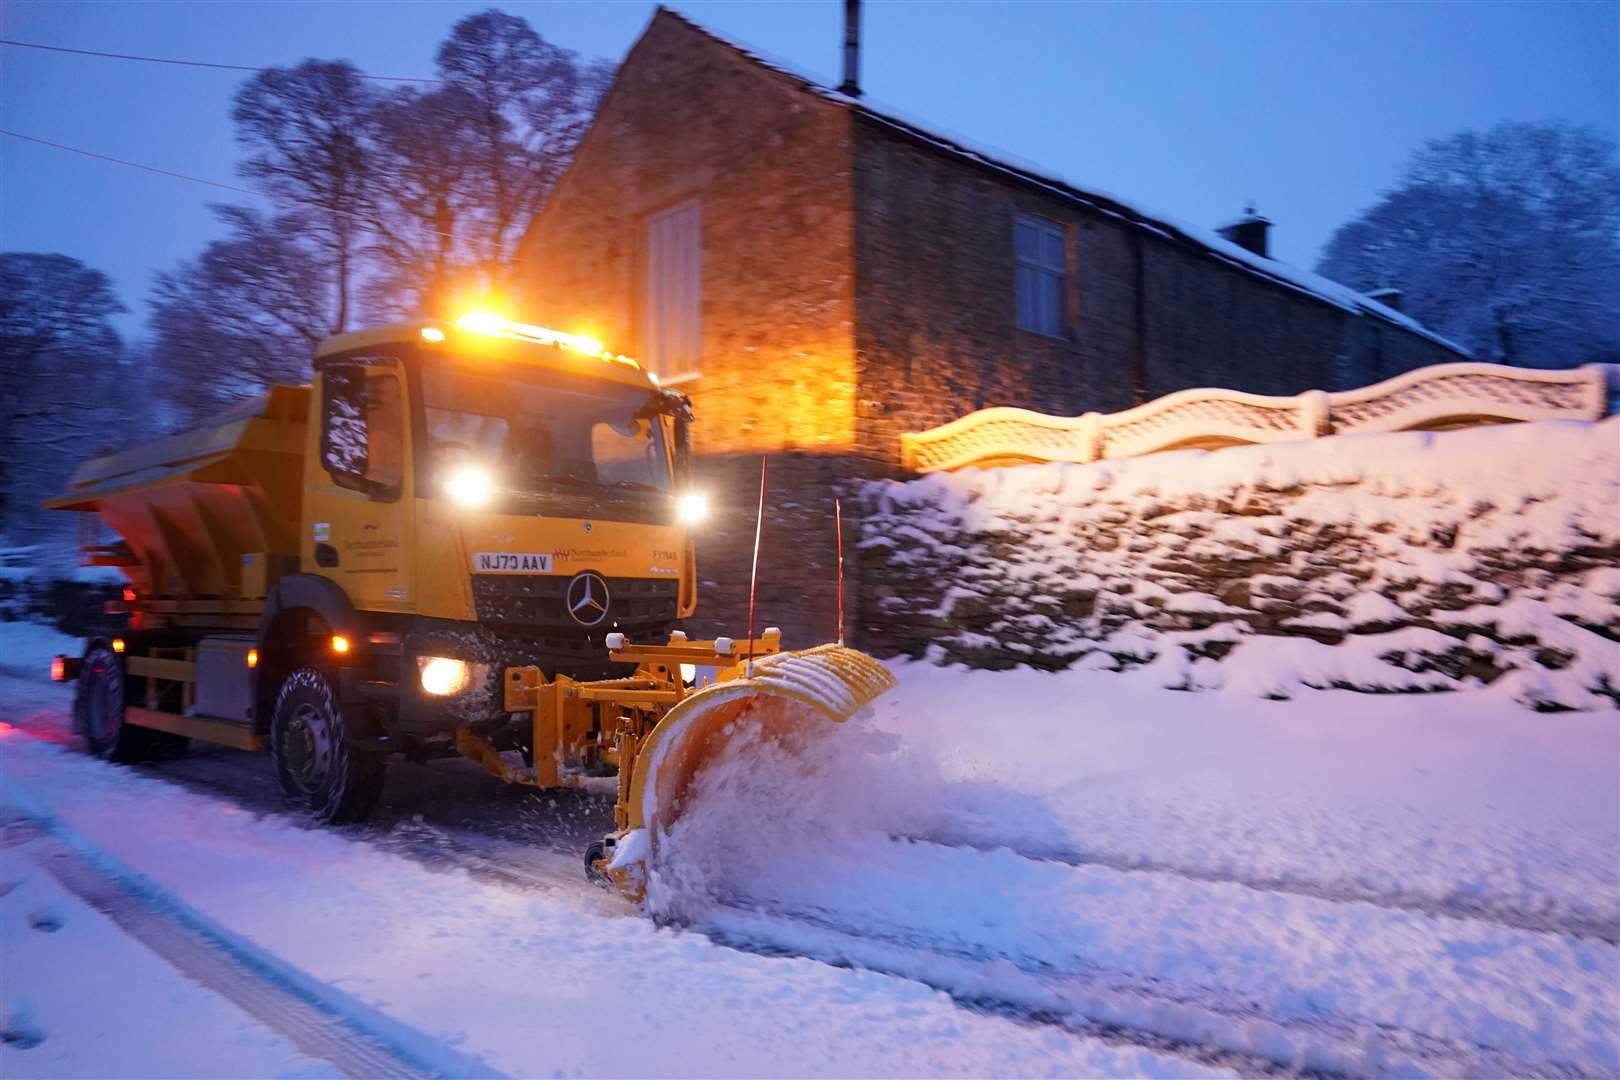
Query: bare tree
{"points": [[62, 371], [1506, 241], [306, 129], [528, 104], [247, 312], [402, 201], [421, 197]]}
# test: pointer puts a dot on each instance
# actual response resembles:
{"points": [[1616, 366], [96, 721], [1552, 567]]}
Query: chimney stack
{"points": [[1250, 232], [852, 49], [1389, 296]]}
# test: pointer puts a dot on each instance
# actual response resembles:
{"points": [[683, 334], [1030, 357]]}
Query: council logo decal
{"points": [[587, 598]]}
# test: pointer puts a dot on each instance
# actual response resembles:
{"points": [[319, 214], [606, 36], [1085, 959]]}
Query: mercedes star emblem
{"points": [[587, 598]]}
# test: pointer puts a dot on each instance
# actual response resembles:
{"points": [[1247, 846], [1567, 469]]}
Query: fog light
{"points": [[692, 507], [441, 675]]}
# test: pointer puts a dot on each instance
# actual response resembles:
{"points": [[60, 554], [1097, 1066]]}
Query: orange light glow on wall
{"points": [[118, 644], [58, 669], [340, 644], [253, 658]]}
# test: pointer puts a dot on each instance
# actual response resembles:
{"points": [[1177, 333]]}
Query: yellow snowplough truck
{"points": [[468, 538]]}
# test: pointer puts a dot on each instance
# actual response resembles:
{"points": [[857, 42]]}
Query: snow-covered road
{"points": [[994, 873]]}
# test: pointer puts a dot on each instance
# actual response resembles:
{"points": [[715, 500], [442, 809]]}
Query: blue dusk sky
{"points": [[1189, 109]]}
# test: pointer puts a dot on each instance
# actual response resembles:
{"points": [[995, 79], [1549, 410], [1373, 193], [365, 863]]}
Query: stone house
{"points": [[821, 276]]}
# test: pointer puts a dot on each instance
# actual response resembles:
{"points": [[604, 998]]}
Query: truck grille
{"points": [[540, 601]]}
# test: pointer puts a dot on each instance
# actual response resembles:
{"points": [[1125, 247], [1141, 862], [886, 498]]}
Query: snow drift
{"points": [[1396, 562]]}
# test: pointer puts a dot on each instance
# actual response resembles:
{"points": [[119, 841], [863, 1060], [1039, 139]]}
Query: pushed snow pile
{"points": [[1422, 889], [1400, 562]]}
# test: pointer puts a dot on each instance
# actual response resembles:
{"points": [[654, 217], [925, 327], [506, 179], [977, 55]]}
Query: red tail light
{"points": [[129, 594]]}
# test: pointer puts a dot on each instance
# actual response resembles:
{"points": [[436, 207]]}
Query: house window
{"points": [[672, 293], [1038, 258]]}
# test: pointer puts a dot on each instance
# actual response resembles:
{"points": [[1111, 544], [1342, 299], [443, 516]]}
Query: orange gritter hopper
{"points": [[205, 512]]}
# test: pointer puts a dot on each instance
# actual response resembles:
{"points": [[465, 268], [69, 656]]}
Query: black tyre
{"points": [[320, 771], [593, 855], [98, 708]]}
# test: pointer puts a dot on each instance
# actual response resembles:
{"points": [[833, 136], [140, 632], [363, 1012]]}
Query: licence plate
{"points": [[511, 562]]}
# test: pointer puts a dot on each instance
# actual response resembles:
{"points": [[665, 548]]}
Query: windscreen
{"points": [[546, 432]]}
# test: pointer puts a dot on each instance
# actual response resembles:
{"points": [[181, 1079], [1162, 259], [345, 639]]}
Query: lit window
{"points": [[1038, 258], [672, 300]]}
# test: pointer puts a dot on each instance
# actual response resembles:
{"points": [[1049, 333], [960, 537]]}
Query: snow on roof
{"points": [[1248, 217], [1214, 244]]}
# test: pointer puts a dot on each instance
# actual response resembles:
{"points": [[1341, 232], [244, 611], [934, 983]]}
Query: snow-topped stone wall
{"points": [[1393, 562]]}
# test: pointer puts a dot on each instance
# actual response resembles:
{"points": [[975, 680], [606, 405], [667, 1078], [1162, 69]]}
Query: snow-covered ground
{"points": [[992, 873], [62, 958], [1350, 882]]}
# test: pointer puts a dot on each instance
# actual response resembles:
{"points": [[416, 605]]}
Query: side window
{"points": [[363, 429], [1039, 274]]}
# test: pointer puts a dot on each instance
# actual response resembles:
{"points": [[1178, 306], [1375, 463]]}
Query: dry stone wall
{"points": [[1392, 562]]}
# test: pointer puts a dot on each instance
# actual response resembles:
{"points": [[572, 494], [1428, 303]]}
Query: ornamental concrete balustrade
{"points": [[1428, 399]]}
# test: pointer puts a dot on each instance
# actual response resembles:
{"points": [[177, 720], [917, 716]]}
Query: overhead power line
{"points": [[133, 164], [187, 63], [182, 176]]}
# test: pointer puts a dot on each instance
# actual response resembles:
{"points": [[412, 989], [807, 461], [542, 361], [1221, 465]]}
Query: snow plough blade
{"points": [[780, 692]]}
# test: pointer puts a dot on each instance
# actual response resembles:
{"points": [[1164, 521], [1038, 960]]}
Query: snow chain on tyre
{"points": [[98, 708], [319, 770]]}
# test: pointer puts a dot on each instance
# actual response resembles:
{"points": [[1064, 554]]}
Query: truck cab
{"points": [[357, 568]]}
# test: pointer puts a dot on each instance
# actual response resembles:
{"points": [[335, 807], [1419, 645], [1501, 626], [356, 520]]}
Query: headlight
{"points": [[469, 485], [692, 507], [442, 676]]}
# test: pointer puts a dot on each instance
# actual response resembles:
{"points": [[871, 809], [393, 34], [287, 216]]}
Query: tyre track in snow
{"points": [[321, 1021], [1220, 971], [446, 816], [1511, 918], [1201, 1024], [748, 927]]}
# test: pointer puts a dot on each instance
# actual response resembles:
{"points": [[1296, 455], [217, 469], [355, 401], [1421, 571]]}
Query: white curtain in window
{"points": [[672, 328]]}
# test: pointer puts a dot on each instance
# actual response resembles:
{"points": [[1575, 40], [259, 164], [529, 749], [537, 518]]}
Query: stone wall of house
{"points": [[1401, 562], [1209, 324], [690, 117], [798, 565], [936, 330]]}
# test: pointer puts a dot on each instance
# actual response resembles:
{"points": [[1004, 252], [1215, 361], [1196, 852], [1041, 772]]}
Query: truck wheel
{"points": [[593, 855], [319, 770], [98, 708]]}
